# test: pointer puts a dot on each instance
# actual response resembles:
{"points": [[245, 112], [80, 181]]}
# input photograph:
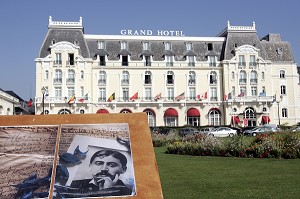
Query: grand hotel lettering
{"points": [[150, 32]]}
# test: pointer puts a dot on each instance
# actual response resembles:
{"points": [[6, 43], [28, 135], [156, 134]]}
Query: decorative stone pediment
{"points": [[247, 49], [64, 46]]}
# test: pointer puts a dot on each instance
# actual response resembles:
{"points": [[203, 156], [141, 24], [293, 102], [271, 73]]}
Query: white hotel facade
{"points": [[235, 78]]}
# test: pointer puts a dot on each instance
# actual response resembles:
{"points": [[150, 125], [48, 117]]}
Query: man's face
{"points": [[106, 166]]}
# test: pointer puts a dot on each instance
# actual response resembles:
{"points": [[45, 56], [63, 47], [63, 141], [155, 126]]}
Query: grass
{"points": [[186, 177]]}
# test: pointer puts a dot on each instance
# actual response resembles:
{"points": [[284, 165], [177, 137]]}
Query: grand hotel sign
{"points": [[150, 32]]}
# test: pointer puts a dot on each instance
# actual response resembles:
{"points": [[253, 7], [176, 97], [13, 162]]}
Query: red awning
{"points": [[101, 111], [265, 119], [192, 112], [236, 119], [170, 112]]}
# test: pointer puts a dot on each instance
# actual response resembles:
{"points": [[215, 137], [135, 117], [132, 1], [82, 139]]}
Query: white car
{"points": [[222, 132]]}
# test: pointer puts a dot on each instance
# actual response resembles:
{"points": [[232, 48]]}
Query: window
{"points": [[101, 45], [125, 78], [192, 91], [170, 93], [282, 74], [233, 91], [213, 77], [58, 76], [71, 91], [243, 77], [148, 77], [125, 92], [253, 90], [192, 78], [252, 60], [210, 47], [170, 79], [232, 75], [146, 46], [284, 112], [253, 78], [168, 46], [214, 118], [263, 75], [212, 60], [283, 90], [242, 91], [71, 77], [124, 60], [147, 60], [46, 74], [148, 93], [169, 60], [58, 59], [123, 45], [102, 95], [70, 59], [213, 94], [151, 117], [191, 60], [188, 46], [82, 74], [81, 91], [57, 91], [102, 77], [242, 60], [102, 61]]}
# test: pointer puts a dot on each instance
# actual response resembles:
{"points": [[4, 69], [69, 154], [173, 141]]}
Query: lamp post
{"points": [[43, 102], [278, 111]]}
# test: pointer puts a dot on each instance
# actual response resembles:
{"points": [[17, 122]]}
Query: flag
{"points": [[180, 97], [135, 96], [229, 96], [29, 103], [202, 96], [262, 94], [274, 98], [83, 98], [241, 94], [225, 97], [158, 96], [72, 99], [111, 98], [46, 93]]}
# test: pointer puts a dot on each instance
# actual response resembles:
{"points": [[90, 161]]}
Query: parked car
{"points": [[205, 130], [223, 132], [260, 130], [296, 129], [188, 131]]}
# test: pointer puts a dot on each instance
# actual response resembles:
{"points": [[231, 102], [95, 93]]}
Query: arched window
{"points": [[262, 75], [171, 117], [250, 116], [71, 76], [1, 109], [58, 76], [125, 78], [193, 117], [253, 77], [283, 90], [243, 77], [192, 78], [125, 111], [281, 74], [82, 74], [102, 77], [284, 112], [46, 74], [213, 77], [151, 117], [214, 117], [64, 111]]}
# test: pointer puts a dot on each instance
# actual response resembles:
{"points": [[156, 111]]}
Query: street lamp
{"points": [[43, 102], [278, 112]]}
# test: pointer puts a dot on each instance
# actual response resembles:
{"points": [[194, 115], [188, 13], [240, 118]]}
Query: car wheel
{"points": [[212, 135], [230, 134], [254, 134]]}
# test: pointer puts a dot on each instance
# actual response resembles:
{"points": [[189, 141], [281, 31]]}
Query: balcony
{"points": [[57, 80], [125, 63], [125, 81], [191, 64], [212, 64], [242, 64], [70, 63], [252, 65], [243, 81], [169, 63], [101, 99], [102, 63], [192, 82], [213, 98], [147, 63], [70, 80], [102, 81], [57, 63], [253, 81]]}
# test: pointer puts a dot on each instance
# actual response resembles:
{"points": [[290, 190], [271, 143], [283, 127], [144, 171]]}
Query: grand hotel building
{"points": [[234, 78]]}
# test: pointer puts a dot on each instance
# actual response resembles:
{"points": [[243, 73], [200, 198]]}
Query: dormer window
{"points": [[123, 45], [210, 47], [212, 60], [168, 46], [242, 60], [53, 42], [281, 74], [252, 60], [146, 46], [188, 46], [101, 45]]}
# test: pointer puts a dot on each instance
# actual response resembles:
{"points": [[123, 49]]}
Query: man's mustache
{"points": [[104, 173]]}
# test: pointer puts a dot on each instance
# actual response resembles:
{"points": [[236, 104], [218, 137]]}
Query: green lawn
{"points": [[223, 177]]}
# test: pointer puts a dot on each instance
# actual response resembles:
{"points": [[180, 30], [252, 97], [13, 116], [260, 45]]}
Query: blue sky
{"points": [[24, 25]]}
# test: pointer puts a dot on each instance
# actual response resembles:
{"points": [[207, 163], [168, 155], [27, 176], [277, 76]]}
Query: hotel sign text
{"points": [[150, 32]]}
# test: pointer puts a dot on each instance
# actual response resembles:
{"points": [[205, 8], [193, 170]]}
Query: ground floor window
{"points": [[214, 118], [194, 121], [171, 121]]}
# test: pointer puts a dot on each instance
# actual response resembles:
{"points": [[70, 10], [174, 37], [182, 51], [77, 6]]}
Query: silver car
{"points": [[223, 132]]}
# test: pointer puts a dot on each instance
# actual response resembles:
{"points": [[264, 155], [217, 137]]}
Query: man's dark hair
{"points": [[115, 154]]}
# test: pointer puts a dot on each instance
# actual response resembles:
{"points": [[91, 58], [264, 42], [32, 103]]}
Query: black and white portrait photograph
{"points": [[97, 162]]}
